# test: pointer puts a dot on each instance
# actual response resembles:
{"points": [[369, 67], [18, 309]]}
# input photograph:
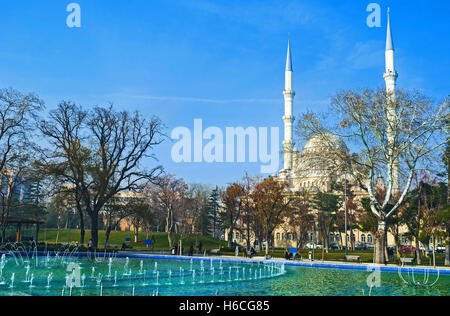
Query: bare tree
{"points": [[169, 194], [17, 112], [100, 152], [195, 218], [67, 160], [403, 130], [11, 184]]}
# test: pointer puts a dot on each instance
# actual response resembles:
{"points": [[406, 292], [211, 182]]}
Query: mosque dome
{"points": [[319, 143], [312, 166]]}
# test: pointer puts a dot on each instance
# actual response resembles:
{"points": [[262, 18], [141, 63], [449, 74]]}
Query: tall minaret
{"points": [[390, 77], [289, 94]]}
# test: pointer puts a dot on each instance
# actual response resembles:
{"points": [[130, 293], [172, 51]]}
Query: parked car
{"points": [[408, 249], [334, 246], [439, 248], [312, 245], [361, 246]]}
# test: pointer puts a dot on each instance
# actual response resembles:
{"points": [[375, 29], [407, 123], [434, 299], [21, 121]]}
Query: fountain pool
{"points": [[73, 275]]}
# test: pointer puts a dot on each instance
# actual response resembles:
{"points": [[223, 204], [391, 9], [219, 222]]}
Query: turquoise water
{"points": [[127, 277]]}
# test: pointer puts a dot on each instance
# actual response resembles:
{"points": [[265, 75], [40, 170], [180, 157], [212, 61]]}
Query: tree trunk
{"points": [[169, 236], [230, 237], [434, 251], [5, 220], [260, 242], [447, 255], [267, 243], [136, 234], [4, 233], [94, 229], [107, 234], [323, 248], [380, 243], [57, 234], [82, 229], [418, 259], [248, 238], [169, 227], [386, 254], [37, 234]]}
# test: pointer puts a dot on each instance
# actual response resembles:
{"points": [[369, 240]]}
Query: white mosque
{"points": [[297, 171]]}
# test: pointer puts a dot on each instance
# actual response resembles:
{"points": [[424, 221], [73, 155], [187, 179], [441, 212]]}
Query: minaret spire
{"points": [[289, 59], [389, 41], [390, 77], [288, 118]]}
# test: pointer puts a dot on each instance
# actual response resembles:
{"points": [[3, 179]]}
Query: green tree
{"points": [[213, 211]]}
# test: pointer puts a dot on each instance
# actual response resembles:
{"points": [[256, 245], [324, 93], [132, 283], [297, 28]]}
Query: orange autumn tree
{"points": [[232, 200], [272, 205]]}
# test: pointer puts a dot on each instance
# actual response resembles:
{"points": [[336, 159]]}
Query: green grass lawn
{"points": [[119, 237]]}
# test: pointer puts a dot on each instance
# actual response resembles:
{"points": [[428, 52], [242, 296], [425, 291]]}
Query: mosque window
{"points": [[363, 238], [369, 239], [278, 236]]}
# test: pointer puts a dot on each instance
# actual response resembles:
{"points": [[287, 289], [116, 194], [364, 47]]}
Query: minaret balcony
{"points": [[290, 93], [390, 74], [288, 145]]}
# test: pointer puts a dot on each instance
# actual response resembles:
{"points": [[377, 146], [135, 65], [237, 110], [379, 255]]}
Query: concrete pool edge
{"points": [[324, 265]]}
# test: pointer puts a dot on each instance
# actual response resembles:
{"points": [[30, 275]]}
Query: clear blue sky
{"points": [[222, 61]]}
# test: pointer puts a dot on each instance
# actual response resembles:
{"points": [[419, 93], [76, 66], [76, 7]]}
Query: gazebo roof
{"points": [[19, 220]]}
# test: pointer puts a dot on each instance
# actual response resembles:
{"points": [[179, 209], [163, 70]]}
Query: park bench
{"points": [[406, 260], [353, 258], [125, 247], [294, 253], [215, 251]]}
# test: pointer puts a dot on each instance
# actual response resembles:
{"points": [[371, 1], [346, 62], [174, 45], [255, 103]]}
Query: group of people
{"points": [[289, 256], [251, 253], [175, 249]]}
